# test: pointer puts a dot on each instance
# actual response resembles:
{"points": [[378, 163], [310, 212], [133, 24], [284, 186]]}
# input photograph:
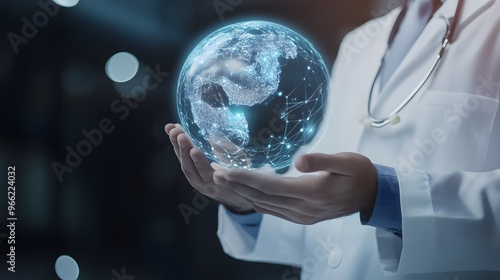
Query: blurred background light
{"points": [[125, 89], [122, 67], [66, 3], [67, 268]]}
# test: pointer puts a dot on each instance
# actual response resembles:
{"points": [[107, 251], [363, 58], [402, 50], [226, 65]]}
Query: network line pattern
{"points": [[252, 94]]}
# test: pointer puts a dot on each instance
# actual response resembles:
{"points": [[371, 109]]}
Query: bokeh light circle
{"points": [[67, 268], [252, 94], [66, 3], [122, 67]]}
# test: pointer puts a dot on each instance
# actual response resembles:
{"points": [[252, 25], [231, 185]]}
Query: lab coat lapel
{"points": [[420, 57], [412, 68]]}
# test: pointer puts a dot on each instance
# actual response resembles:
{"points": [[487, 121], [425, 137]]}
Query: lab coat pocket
{"points": [[452, 131]]}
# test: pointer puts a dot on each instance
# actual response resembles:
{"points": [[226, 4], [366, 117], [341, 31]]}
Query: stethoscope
{"points": [[393, 117]]}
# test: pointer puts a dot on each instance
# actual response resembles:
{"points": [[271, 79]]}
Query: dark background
{"points": [[119, 208]]}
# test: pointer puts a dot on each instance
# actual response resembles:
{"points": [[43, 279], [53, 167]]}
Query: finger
{"points": [[281, 204], [178, 125], [291, 218], [202, 165], [253, 194], [173, 135], [266, 169], [270, 212], [187, 164], [217, 166], [169, 127], [284, 213], [341, 164], [270, 183]]}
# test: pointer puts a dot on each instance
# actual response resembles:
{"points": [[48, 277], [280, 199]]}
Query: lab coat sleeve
{"points": [[278, 241], [450, 222], [249, 222]]}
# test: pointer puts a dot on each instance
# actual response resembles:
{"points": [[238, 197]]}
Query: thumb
{"points": [[338, 163]]}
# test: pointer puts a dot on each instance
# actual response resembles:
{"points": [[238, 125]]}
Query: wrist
{"points": [[386, 212], [370, 194]]}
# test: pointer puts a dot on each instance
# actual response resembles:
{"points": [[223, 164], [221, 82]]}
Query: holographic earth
{"points": [[251, 94]]}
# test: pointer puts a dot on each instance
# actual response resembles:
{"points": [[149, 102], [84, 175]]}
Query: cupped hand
{"points": [[199, 171], [342, 184]]}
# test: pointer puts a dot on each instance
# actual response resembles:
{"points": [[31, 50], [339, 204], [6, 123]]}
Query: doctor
{"points": [[429, 204]]}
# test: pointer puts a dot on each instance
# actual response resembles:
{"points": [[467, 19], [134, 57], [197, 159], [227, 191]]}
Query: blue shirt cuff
{"points": [[249, 222], [386, 214]]}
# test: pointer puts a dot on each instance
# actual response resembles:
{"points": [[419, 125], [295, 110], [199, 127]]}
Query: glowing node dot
{"points": [[67, 268], [122, 67], [66, 3]]}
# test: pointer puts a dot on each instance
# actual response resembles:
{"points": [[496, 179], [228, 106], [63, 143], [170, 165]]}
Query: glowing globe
{"points": [[251, 95]]}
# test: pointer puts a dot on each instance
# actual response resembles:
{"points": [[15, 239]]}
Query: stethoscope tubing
{"points": [[393, 117]]}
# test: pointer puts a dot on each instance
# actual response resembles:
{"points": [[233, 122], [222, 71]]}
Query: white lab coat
{"points": [[446, 151]]}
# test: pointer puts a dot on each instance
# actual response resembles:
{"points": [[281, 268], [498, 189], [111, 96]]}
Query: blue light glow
{"points": [[231, 87]]}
